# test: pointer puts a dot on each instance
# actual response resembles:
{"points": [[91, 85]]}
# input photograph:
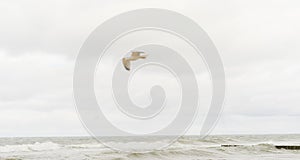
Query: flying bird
{"points": [[135, 55]]}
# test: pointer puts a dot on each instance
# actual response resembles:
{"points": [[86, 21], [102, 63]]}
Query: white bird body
{"points": [[134, 56]]}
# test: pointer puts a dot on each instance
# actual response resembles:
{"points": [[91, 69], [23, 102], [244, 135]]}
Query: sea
{"points": [[216, 147]]}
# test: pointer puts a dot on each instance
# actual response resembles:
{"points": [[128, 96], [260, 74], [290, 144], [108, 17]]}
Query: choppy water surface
{"points": [[187, 148]]}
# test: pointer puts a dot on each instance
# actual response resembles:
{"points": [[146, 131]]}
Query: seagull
{"points": [[135, 55]]}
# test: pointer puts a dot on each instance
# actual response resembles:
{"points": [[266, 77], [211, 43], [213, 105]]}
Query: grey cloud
{"points": [[257, 40]]}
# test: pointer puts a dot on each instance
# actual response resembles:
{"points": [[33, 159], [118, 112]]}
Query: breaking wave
{"points": [[212, 147], [37, 146]]}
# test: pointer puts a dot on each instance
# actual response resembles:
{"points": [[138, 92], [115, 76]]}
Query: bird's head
{"points": [[143, 54], [139, 53]]}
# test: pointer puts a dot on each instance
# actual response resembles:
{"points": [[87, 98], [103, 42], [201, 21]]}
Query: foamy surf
{"points": [[37, 146], [188, 148]]}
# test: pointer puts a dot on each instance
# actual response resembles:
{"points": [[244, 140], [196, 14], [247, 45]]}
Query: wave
{"points": [[86, 146], [37, 146], [160, 154], [184, 146]]}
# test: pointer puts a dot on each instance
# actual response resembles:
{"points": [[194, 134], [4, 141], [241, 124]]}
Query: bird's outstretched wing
{"points": [[126, 63]]}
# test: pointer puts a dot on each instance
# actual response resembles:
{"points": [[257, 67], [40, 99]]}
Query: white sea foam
{"points": [[29, 147], [188, 148]]}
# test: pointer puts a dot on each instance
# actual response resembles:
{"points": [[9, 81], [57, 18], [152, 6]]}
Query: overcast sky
{"points": [[258, 41]]}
